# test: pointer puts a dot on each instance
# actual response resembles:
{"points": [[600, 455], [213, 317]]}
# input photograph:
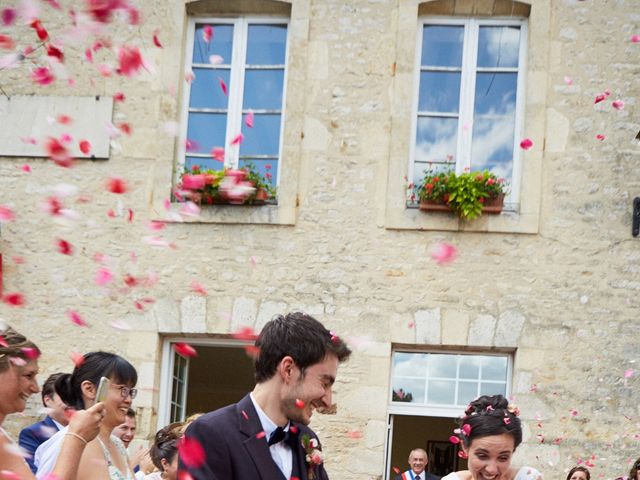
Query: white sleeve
{"points": [[47, 454], [528, 473]]}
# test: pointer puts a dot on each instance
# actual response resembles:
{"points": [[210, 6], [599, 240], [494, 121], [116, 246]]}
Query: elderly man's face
{"points": [[417, 461]]}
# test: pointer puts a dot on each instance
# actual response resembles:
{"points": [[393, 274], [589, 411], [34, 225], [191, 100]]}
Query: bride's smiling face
{"points": [[490, 457], [17, 384]]}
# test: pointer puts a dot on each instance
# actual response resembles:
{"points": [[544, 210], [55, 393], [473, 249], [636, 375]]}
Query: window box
{"points": [[491, 205]]}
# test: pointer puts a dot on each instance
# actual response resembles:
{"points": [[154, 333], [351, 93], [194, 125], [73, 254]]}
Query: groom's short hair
{"points": [[299, 336]]}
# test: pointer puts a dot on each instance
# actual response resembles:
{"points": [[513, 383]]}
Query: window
{"points": [[469, 103], [238, 72], [439, 379]]}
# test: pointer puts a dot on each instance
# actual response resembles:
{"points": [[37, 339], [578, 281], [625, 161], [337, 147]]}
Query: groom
{"points": [[265, 435]]}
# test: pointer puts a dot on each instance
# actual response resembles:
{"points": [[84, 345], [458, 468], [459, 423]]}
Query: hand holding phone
{"points": [[103, 388]]}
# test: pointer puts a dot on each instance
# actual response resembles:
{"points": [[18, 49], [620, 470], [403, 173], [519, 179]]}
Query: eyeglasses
{"points": [[127, 392]]}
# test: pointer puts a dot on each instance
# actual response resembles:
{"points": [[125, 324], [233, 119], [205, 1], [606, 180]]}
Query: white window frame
{"points": [[166, 370], [467, 94], [452, 411], [235, 114]]}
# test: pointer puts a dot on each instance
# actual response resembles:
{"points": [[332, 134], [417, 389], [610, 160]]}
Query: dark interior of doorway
{"points": [[430, 433], [218, 376]]}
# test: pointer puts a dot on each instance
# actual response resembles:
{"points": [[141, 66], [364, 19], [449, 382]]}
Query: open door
{"points": [[219, 375]]}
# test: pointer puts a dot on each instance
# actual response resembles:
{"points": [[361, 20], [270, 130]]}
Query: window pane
{"points": [[263, 89], [205, 163], [469, 366], [492, 389], [207, 130], [495, 93], [411, 391], [498, 46], [263, 138], [206, 91], [436, 139], [420, 168], [266, 44], [467, 391], [441, 392], [439, 92], [220, 44], [442, 366], [442, 45], [267, 168], [494, 368], [409, 364], [492, 145]]}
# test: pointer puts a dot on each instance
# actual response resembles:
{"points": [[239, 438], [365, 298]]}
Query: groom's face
{"points": [[311, 390]]}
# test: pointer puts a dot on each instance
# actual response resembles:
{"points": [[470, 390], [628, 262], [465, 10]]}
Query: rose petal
{"points": [[6, 214], [248, 119], [116, 185], [185, 350], [443, 252], [526, 144], [207, 33], [618, 104], [191, 453], [76, 318]]}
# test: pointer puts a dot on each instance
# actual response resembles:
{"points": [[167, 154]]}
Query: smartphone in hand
{"points": [[103, 388]]}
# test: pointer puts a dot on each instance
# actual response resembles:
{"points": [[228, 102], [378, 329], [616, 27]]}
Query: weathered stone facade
{"points": [[557, 284]]}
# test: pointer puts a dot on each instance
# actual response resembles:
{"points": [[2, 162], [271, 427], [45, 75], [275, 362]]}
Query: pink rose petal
{"points": [[617, 104], [103, 276], [526, 144], [6, 214], [198, 288], [237, 139], [248, 119], [185, 350], [76, 319], [207, 33], [443, 252]]}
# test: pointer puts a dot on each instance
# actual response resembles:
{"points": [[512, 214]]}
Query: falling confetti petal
{"points": [[354, 434], [443, 252], [42, 76], [156, 40], [185, 350], [85, 147], [207, 33], [600, 137], [6, 214], [618, 104], [64, 247], [76, 318], [130, 60], [218, 154], [116, 185], [216, 60], [26, 168], [103, 276], [191, 452], [568, 80], [30, 352], [14, 299], [237, 139], [248, 119], [198, 288], [223, 86], [453, 439], [300, 403], [635, 38], [628, 373], [600, 98], [526, 144]]}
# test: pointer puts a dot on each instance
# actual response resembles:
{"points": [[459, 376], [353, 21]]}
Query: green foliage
{"points": [[464, 193]]}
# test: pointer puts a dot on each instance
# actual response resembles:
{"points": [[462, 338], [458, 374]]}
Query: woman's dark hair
{"points": [[17, 345], [300, 336], [487, 416], [165, 444], [633, 473], [579, 469], [91, 367]]}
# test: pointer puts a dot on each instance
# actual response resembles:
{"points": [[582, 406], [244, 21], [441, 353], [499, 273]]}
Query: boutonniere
{"points": [[313, 454]]}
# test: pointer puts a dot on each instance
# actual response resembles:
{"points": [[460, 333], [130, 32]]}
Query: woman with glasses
{"points": [[18, 370], [104, 458]]}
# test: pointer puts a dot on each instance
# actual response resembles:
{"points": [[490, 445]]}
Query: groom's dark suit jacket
{"points": [[236, 450]]}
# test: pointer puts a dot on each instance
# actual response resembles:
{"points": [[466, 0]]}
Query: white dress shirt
{"points": [[280, 452]]}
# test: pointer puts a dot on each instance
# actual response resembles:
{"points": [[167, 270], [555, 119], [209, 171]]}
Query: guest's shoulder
{"points": [[528, 473]]}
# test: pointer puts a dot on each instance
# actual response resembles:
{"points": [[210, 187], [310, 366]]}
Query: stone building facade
{"points": [[551, 285]]}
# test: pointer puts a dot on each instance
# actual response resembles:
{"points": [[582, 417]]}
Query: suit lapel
{"points": [[257, 448]]}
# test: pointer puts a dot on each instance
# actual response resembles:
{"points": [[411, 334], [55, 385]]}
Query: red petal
{"points": [[207, 33], [85, 146], [191, 452], [156, 41], [299, 403], [76, 318], [8, 16], [237, 139], [6, 214], [118, 97], [14, 299], [223, 86], [64, 247], [30, 352], [248, 120], [116, 185], [526, 144], [185, 350]]}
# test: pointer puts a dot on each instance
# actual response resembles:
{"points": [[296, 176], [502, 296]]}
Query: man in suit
{"points": [[418, 461], [32, 436], [265, 435]]}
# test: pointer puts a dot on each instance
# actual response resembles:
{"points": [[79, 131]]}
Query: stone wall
{"points": [[564, 299]]}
